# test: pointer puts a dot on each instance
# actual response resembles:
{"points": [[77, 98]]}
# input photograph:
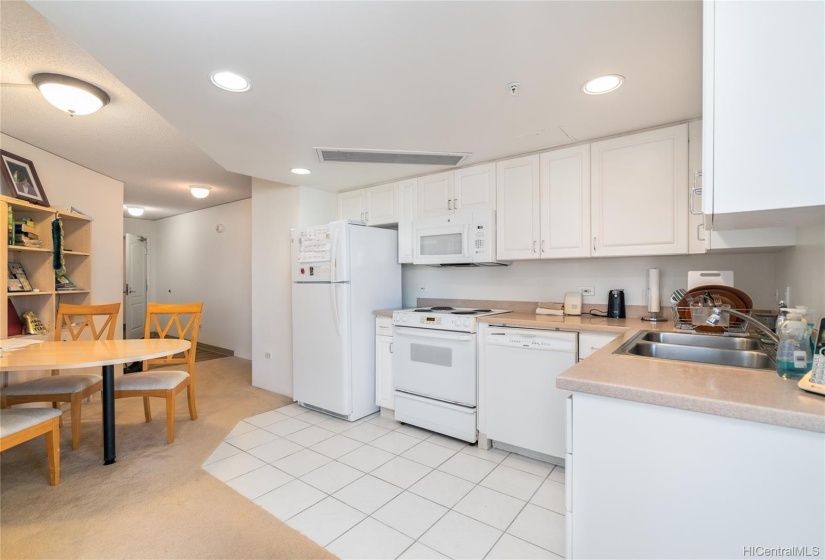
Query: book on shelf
{"points": [[63, 283], [24, 226], [27, 241], [16, 271]]}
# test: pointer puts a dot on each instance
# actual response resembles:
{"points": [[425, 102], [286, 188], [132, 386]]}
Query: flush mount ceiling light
{"points": [[135, 211], [603, 84], [200, 191], [71, 95], [230, 81], [300, 171]]}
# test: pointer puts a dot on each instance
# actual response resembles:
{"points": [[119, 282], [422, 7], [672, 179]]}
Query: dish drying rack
{"points": [[683, 319]]}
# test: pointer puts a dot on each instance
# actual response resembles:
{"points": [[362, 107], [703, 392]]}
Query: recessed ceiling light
{"points": [[230, 81], [71, 95], [300, 171], [135, 211], [603, 84], [200, 191]]}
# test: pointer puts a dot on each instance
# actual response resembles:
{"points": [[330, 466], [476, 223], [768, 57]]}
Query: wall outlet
{"points": [[268, 355], [587, 290], [422, 289]]}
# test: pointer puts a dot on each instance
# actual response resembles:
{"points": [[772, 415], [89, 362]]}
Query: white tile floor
{"points": [[377, 488]]}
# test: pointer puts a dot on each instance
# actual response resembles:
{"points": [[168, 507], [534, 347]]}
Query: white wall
{"points": [[68, 184], [316, 207], [802, 268], [276, 208], [193, 262], [549, 280]]}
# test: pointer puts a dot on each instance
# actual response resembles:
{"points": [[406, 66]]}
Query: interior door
{"points": [[135, 291], [321, 342]]}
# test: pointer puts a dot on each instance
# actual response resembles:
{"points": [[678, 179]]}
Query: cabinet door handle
{"points": [[390, 347], [366, 216], [455, 204], [542, 245], [693, 192], [449, 204], [362, 216], [534, 245], [594, 243], [698, 226]]}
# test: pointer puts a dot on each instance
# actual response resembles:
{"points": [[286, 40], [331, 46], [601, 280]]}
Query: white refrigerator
{"points": [[341, 273]]}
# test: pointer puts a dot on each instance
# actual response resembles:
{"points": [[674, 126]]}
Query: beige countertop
{"points": [[746, 394]]}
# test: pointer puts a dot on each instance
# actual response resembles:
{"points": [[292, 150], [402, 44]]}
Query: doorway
{"points": [[135, 292]]}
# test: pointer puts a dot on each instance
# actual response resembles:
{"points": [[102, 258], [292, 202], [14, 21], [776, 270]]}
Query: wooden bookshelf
{"points": [[38, 262]]}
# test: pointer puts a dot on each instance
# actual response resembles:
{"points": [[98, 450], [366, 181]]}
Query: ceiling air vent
{"points": [[389, 156]]}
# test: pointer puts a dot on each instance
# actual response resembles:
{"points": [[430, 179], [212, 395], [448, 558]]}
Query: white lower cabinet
{"points": [[384, 391], [648, 481], [589, 342]]}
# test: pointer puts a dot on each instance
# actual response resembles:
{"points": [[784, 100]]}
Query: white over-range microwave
{"points": [[466, 238]]}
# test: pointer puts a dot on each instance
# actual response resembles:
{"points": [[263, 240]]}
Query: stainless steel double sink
{"points": [[746, 352]]}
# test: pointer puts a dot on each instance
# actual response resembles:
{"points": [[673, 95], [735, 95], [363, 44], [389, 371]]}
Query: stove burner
{"points": [[427, 310], [442, 308], [476, 312], [483, 310]]}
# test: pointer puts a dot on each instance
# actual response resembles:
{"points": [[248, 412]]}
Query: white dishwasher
{"points": [[524, 407]]}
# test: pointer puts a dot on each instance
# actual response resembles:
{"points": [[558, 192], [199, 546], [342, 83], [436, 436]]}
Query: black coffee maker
{"points": [[615, 304]]}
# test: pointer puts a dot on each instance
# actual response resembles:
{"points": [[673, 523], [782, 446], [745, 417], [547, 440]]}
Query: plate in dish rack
{"points": [[736, 299]]}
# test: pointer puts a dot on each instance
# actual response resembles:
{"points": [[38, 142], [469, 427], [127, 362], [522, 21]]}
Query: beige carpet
{"points": [[156, 501]]}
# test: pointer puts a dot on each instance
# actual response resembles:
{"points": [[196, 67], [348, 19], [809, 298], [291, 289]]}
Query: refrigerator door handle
{"points": [[335, 308], [333, 270]]}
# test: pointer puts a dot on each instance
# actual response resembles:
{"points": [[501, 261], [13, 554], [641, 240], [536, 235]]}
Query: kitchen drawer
{"points": [[590, 342], [383, 326]]}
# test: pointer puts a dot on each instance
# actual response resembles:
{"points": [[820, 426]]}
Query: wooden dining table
{"points": [[92, 353]]}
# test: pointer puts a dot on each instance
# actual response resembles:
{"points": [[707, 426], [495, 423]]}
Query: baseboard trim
{"points": [[216, 349]]}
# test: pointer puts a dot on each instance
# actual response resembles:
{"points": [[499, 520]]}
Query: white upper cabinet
{"points": [[565, 202], [764, 116], [639, 189], [382, 205], [376, 206], [435, 195], [517, 214], [470, 188], [406, 193], [474, 187], [352, 205]]}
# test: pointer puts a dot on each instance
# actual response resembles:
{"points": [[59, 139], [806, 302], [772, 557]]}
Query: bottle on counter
{"points": [[793, 353]]}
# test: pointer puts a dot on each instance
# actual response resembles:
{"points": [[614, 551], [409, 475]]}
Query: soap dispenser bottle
{"points": [[793, 353]]}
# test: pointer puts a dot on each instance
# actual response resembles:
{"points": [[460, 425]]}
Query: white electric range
{"points": [[435, 368]]}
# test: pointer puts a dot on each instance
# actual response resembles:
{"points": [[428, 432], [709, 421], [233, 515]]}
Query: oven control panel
{"points": [[433, 321]]}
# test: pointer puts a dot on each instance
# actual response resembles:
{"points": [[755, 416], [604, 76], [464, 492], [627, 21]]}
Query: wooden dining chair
{"points": [[22, 424], [101, 322], [166, 384]]}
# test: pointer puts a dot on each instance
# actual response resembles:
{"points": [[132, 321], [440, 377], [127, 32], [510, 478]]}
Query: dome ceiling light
{"points": [[135, 211], [603, 84], [300, 171], [200, 191], [70, 95]]}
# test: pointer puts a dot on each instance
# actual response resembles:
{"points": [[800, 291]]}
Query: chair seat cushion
{"points": [[150, 381], [13, 420], [52, 385]]}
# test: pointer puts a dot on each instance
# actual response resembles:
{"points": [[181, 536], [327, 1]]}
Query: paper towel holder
{"points": [[653, 298]]}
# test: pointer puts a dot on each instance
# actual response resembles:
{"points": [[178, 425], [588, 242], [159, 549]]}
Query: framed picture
{"points": [[22, 179]]}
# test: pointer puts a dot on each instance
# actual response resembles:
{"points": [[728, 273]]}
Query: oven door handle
{"points": [[427, 333]]}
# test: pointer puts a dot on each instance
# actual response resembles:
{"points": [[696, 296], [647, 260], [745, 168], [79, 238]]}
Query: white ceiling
{"points": [[420, 76]]}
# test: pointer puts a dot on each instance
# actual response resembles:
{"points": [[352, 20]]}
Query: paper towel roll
{"points": [[653, 297]]}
